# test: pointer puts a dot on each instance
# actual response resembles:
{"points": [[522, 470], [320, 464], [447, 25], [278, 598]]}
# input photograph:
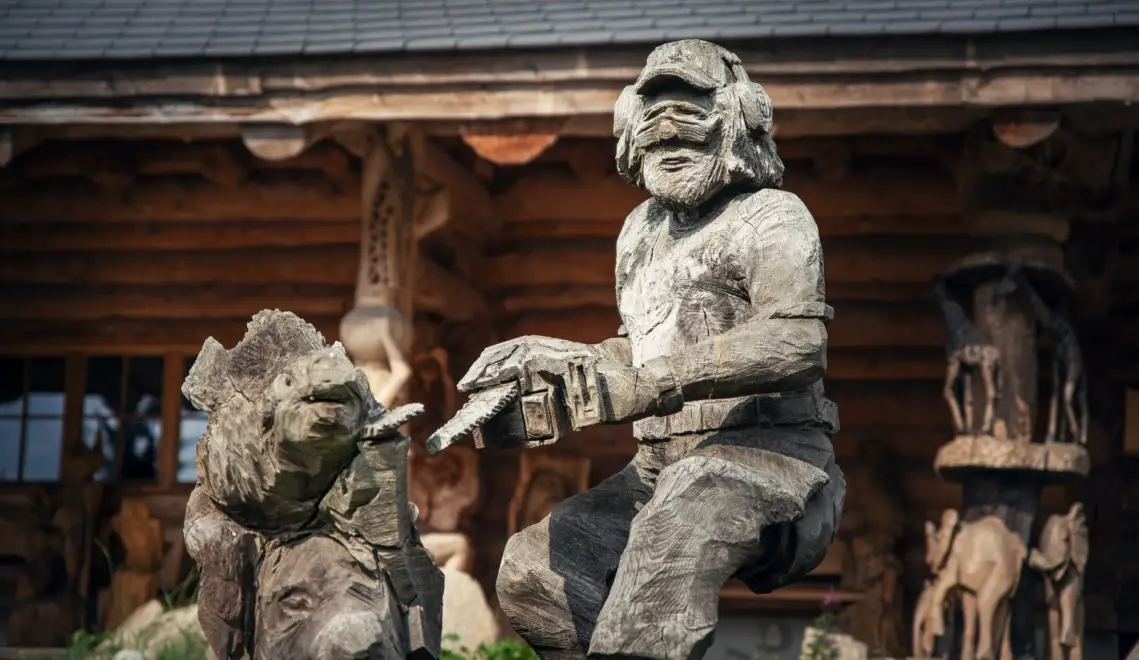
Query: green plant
{"points": [[822, 647], [87, 644], [504, 649]]}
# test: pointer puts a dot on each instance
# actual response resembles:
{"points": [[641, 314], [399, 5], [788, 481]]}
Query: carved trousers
{"points": [[634, 566]]}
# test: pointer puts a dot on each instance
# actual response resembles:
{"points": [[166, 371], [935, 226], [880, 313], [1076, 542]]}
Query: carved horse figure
{"points": [[1068, 378], [967, 350], [982, 560]]}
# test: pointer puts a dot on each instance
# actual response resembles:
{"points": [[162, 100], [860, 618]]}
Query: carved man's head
{"points": [[283, 389], [694, 124]]}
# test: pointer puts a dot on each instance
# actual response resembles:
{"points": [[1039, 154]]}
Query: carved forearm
{"points": [[759, 357]]}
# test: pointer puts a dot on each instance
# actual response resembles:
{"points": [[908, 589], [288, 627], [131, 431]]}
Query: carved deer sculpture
{"points": [[967, 351]]}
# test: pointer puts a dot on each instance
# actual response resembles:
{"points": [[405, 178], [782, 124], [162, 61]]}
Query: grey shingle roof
{"points": [[129, 29]]}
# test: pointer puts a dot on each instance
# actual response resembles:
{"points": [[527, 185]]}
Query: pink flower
{"points": [[831, 600]]}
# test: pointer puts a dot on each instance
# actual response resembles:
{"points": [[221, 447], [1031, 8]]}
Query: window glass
{"points": [[192, 426]]}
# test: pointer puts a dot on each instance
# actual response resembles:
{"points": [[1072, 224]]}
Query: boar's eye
{"points": [[296, 600]]}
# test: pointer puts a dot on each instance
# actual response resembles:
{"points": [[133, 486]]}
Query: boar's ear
{"points": [[226, 554], [207, 386]]}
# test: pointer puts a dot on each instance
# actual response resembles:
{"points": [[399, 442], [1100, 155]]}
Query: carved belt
{"points": [[807, 406]]}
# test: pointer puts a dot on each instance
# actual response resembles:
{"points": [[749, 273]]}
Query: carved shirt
{"points": [[740, 275]]}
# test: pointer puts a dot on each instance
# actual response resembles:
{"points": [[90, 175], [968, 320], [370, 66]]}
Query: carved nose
{"points": [[667, 130], [358, 636]]}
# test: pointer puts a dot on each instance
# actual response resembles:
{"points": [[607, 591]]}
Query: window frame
{"points": [[75, 386], [26, 416]]}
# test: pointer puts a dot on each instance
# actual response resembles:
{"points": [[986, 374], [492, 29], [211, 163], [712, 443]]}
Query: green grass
{"points": [[505, 649]]}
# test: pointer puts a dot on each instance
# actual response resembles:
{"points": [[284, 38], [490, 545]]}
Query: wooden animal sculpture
{"points": [[300, 523], [1069, 383], [967, 350], [983, 560], [924, 613], [1062, 556]]}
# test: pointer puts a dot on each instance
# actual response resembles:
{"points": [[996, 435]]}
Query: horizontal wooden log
{"points": [[132, 336], [861, 260], [221, 161], [177, 236], [287, 196], [90, 303], [328, 264], [829, 227], [856, 325], [878, 190]]}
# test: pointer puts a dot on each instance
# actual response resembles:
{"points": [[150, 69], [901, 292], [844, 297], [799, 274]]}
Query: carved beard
{"points": [[683, 177]]}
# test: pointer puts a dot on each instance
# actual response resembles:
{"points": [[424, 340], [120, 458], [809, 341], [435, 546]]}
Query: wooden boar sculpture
{"points": [[300, 522]]}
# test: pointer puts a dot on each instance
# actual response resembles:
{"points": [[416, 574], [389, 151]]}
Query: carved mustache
{"points": [[676, 120]]}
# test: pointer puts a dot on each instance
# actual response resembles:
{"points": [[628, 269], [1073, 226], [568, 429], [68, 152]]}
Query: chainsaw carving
{"points": [[981, 559], [1069, 385], [967, 351], [1061, 557], [720, 286], [136, 582], [300, 523]]}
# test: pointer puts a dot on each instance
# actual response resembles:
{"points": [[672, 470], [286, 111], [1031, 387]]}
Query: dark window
{"points": [[122, 412], [31, 418], [191, 428]]}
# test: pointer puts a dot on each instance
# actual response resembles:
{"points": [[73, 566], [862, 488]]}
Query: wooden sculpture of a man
{"points": [[720, 288]]}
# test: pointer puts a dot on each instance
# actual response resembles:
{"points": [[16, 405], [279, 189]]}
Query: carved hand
{"points": [[632, 393]]}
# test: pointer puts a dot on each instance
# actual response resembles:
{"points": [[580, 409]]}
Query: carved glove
{"points": [[632, 393]]}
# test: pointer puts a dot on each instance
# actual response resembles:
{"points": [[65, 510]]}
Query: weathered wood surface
{"points": [[169, 236], [285, 196]]}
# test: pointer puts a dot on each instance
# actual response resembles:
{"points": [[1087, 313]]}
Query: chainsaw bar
{"points": [[480, 408]]}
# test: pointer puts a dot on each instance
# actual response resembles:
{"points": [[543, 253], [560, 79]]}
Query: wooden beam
{"points": [[860, 259], [288, 196], [469, 198], [132, 336], [167, 236], [7, 147], [869, 191], [511, 143], [165, 301], [278, 142]]}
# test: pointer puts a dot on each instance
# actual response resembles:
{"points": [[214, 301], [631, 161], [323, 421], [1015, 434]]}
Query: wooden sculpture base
{"points": [[973, 453]]}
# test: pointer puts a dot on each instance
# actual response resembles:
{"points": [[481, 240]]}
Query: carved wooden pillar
{"points": [[1017, 288], [396, 213]]}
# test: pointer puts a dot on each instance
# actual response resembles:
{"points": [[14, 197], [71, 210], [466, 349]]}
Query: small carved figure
{"points": [[136, 581], [1069, 383], [967, 351], [1062, 557], [720, 287], [982, 559], [300, 523]]}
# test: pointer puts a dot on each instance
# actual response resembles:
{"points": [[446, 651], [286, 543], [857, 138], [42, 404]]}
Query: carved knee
{"points": [[532, 595]]}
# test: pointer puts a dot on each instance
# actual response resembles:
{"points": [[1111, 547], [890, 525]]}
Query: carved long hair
{"points": [[746, 145]]}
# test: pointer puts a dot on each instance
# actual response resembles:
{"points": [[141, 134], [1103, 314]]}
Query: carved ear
{"points": [[1078, 536], [206, 386], [625, 111]]}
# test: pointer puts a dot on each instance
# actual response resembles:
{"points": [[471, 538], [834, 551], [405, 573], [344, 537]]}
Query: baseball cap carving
{"points": [[701, 64]]}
